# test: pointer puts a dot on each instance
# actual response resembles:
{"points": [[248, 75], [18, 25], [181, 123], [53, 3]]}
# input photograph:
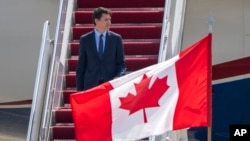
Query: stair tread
{"points": [[64, 125], [125, 41], [123, 16], [127, 9], [120, 3], [64, 140], [63, 108], [70, 89], [126, 57], [126, 31], [133, 63], [71, 139], [131, 40], [122, 25]]}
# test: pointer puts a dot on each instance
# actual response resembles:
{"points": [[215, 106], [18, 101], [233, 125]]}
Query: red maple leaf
{"points": [[146, 97]]}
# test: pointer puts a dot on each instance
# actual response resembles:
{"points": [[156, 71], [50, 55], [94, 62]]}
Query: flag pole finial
{"points": [[210, 22]]}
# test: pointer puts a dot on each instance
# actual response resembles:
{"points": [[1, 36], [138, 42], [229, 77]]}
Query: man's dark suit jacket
{"points": [[91, 69]]}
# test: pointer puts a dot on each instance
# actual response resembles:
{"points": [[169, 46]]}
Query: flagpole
{"points": [[210, 22], [209, 129]]}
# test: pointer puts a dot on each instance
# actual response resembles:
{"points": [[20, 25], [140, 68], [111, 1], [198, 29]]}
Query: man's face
{"points": [[104, 22]]}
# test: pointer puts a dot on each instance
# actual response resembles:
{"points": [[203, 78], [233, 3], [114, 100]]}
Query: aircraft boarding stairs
{"points": [[140, 23]]}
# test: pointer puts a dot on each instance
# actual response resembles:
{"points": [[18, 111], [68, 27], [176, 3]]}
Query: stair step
{"points": [[63, 115], [119, 3], [67, 93], [118, 16], [152, 31], [132, 47], [133, 62], [63, 132]]}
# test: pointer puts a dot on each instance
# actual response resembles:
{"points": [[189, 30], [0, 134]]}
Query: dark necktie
{"points": [[101, 46]]}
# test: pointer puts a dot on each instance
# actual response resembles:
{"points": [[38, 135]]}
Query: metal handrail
{"points": [[40, 85], [171, 37], [50, 94], [43, 99], [165, 32], [170, 45]]}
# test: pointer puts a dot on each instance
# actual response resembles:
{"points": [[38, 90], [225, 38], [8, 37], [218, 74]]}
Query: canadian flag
{"points": [[171, 95]]}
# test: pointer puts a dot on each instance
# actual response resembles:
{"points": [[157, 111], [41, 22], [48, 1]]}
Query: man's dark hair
{"points": [[97, 14]]}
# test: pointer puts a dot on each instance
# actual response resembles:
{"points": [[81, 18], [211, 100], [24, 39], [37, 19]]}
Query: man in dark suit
{"points": [[101, 56]]}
